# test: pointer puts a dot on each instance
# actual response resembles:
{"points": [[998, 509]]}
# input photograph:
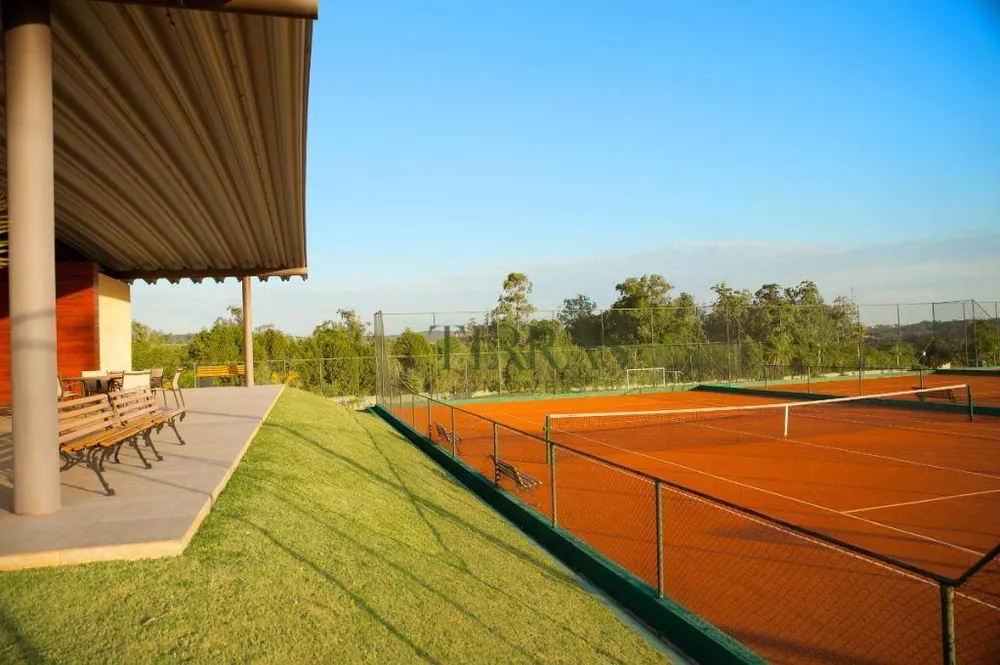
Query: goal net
{"points": [[645, 377]]}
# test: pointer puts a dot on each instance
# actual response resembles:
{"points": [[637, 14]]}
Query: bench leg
{"points": [[148, 436], [95, 461], [135, 446], [173, 426]]}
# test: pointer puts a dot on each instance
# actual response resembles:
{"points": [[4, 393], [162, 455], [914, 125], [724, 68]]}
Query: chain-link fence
{"points": [[469, 354], [789, 593]]}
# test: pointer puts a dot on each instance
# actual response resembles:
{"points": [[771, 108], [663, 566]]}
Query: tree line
{"points": [[742, 335]]}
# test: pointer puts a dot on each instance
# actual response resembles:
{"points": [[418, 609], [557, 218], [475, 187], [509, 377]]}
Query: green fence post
{"points": [[454, 435], [660, 581], [430, 431], [947, 624], [496, 452], [552, 481]]}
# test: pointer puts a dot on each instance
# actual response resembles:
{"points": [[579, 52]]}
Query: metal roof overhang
{"points": [[180, 135]]}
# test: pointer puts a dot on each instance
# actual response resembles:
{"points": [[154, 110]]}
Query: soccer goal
{"points": [[646, 377]]}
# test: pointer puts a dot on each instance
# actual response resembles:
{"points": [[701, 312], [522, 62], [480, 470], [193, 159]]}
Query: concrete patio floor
{"points": [[154, 512]]}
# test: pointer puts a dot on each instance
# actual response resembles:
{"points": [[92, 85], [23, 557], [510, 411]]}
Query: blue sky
{"points": [[856, 144]]}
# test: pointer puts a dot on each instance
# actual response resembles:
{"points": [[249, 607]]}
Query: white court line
{"points": [[913, 503], [782, 496]]}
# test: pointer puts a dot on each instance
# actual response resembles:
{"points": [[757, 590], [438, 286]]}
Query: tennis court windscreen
{"points": [[735, 424]]}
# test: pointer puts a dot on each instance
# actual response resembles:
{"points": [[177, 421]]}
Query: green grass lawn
{"points": [[335, 541]]}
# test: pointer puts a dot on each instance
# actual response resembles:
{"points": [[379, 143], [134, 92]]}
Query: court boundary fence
{"points": [[685, 630], [410, 408], [402, 400]]}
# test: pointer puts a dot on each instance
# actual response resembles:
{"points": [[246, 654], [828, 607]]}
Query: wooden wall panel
{"points": [[77, 341]]}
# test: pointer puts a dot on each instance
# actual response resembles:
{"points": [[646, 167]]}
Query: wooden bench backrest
{"points": [[85, 416], [134, 405]]}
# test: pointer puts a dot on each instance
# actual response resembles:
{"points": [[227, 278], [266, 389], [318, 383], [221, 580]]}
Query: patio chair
{"points": [[115, 380], [156, 378], [174, 386], [62, 392], [94, 381], [135, 380]]}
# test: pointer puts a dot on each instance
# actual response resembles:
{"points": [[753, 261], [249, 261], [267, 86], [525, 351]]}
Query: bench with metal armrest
{"points": [[90, 431], [137, 407]]}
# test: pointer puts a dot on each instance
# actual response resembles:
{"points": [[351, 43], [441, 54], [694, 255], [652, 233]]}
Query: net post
{"points": [[785, 432], [548, 428], [809, 389], [972, 408], [920, 373], [947, 624], [660, 581], [454, 435], [413, 409], [552, 481], [496, 452], [430, 430]]}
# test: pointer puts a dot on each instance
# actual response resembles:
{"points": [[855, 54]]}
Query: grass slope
{"points": [[335, 541]]}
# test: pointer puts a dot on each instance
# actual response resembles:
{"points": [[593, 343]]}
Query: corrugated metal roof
{"points": [[180, 139]]}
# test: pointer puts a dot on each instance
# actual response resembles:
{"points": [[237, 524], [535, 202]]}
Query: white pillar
{"points": [[248, 330], [31, 201]]}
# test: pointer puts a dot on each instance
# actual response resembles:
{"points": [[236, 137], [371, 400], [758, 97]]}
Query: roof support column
{"points": [[248, 330], [31, 204]]}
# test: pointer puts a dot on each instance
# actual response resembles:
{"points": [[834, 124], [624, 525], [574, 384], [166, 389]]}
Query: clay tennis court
{"points": [[985, 386], [918, 487]]}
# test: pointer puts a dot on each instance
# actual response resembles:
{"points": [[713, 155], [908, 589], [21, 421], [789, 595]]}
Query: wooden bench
{"points": [[948, 395], [452, 438], [206, 374], [506, 469], [137, 408], [89, 431]]}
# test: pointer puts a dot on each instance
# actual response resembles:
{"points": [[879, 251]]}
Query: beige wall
{"points": [[114, 320]]}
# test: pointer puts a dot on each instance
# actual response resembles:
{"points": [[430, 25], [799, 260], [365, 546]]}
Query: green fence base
{"points": [[970, 371], [695, 637]]}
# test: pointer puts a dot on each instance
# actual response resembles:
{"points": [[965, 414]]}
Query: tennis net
{"points": [[727, 424]]}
